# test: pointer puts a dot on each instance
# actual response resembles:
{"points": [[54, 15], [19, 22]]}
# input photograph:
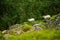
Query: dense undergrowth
{"points": [[18, 12], [37, 35], [28, 33]]}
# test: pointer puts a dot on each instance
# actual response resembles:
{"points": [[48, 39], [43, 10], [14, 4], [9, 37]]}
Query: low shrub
{"points": [[26, 27]]}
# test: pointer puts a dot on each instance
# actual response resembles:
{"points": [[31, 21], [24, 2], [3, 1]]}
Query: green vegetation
{"points": [[40, 35], [18, 11], [28, 33], [26, 27], [1, 36]]}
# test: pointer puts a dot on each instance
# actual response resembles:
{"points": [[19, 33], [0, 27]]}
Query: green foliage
{"points": [[42, 35], [26, 27], [20, 30], [1, 36], [18, 11]]}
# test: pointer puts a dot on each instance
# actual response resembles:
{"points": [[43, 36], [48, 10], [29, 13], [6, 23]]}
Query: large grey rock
{"points": [[55, 23], [16, 26]]}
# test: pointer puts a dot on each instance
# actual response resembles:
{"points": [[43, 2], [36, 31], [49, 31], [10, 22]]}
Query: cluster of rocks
{"points": [[37, 27], [13, 30], [56, 22], [16, 26], [8, 33]]}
